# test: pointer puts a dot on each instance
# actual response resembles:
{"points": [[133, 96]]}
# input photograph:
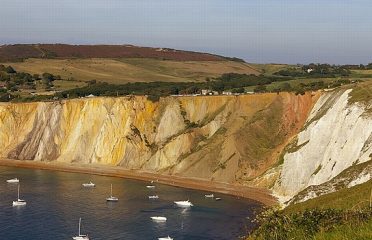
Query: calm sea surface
{"points": [[56, 200]]}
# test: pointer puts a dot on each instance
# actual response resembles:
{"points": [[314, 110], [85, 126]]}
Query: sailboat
{"points": [[90, 184], [186, 203], [80, 236], [19, 202], [111, 198], [165, 238], [13, 180]]}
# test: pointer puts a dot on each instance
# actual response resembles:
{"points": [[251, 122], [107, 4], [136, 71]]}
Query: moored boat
{"points": [[159, 219], [13, 180], [112, 198], [186, 203], [80, 236], [90, 184], [19, 202], [165, 238]]}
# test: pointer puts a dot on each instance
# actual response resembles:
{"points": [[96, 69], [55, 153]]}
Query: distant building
{"points": [[309, 70], [215, 92], [205, 91], [226, 93]]}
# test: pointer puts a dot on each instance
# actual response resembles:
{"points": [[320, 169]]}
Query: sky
{"points": [[262, 31]]}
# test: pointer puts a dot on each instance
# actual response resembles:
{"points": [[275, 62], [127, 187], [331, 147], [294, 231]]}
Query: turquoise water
{"points": [[56, 200]]}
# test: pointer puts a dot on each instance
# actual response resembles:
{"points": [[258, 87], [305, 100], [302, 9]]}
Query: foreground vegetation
{"points": [[345, 214]]}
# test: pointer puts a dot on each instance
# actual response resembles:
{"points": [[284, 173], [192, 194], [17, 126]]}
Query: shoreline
{"points": [[257, 194]]}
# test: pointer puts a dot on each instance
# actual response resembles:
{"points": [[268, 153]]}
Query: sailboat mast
{"points": [[18, 191], [111, 190], [79, 225]]}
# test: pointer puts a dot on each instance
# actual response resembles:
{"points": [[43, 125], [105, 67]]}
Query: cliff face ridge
{"points": [[332, 151], [230, 139]]}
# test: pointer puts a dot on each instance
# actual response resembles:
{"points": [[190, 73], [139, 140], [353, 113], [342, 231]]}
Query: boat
{"points": [[159, 219], [90, 184], [209, 195], [154, 197], [80, 236], [150, 186], [13, 180], [186, 203], [111, 198], [165, 238], [218, 199], [19, 202]]}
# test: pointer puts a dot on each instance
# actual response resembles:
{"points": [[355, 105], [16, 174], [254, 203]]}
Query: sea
{"points": [[56, 201]]}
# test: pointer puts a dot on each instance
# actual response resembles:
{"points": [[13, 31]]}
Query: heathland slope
{"points": [[23, 51]]}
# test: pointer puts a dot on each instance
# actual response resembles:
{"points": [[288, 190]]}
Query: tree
{"points": [[49, 77], [238, 90], [260, 89], [285, 87], [36, 77], [10, 70]]}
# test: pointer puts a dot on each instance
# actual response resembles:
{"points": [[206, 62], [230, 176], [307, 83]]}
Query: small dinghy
{"points": [[165, 238], [80, 236], [13, 180], [209, 195], [19, 202], [90, 184], [150, 186], [154, 197], [186, 203], [158, 219], [112, 198], [218, 199]]}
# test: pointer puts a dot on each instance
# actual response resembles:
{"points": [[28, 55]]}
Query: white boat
{"points": [[80, 236], [90, 184], [186, 203], [159, 219], [154, 197], [218, 199], [13, 180], [150, 186], [19, 202], [209, 195], [165, 238], [111, 198]]}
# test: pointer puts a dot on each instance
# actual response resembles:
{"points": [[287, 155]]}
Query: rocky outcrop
{"points": [[336, 136], [221, 138]]}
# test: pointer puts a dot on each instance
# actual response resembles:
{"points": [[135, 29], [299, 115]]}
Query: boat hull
{"points": [[17, 203], [159, 219], [184, 204], [112, 199], [81, 238]]}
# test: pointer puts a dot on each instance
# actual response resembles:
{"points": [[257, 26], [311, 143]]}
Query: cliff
{"points": [[230, 139], [299, 146], [329, 152]]}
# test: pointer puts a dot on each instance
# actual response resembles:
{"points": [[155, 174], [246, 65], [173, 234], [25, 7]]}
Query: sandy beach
{"points": [[258, 194]]}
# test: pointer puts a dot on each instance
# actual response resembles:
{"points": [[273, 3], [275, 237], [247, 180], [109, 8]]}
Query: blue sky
{"points": [[281, 31]]}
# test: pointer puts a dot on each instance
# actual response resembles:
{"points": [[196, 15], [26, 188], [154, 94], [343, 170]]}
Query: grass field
{"points": [[270, 68], [132, 70], [346, 199], [321, 218]]}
